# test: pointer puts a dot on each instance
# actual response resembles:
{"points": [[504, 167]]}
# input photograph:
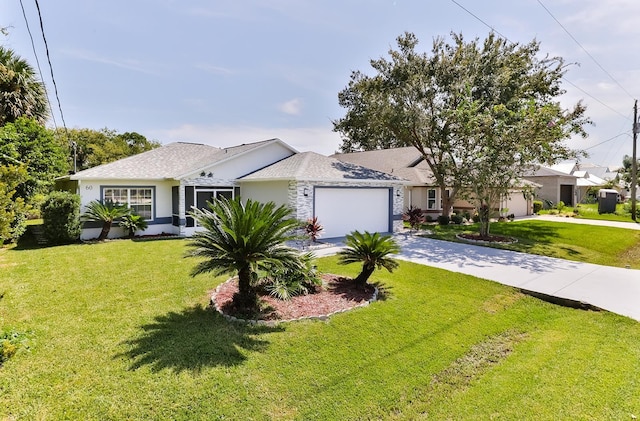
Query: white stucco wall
{"points": [[266, 191], [246, 163], [90, 190]]}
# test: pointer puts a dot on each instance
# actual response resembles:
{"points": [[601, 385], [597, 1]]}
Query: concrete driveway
{"points": [[610, 288]]}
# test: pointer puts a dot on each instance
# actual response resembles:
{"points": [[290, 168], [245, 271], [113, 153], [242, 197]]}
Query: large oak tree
{"points": [[479, 112]]}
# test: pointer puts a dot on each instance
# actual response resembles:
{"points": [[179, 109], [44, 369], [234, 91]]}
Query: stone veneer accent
{"points": [[304, 204]]}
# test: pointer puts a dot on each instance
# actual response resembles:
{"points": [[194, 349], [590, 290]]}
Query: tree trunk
{"points": [[447, 200], [484, 213], [246, 297], [363, 277], [106, 227]]}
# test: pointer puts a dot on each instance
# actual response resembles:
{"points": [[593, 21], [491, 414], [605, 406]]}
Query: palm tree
{"points": [[105, 213], [243, 239], [21, 93], [132, 223], [372, 250]]}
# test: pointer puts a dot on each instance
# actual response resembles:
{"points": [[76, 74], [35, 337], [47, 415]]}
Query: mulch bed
{"points": [[335, 295]]}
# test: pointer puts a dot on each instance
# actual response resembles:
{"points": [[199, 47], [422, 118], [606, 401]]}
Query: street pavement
{"points": [[610, 288]]}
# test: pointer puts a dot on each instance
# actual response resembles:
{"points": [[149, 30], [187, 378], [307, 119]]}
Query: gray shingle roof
{"points": [[404, 162], [173, 160], [310, 166]]}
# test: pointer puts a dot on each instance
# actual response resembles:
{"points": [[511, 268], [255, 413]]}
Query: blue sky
{"points": [[229, 72]]}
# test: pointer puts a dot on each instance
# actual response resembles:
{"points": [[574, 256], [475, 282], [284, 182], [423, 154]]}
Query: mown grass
{"points": [[585, 243], [120, 331], [590, 211]]}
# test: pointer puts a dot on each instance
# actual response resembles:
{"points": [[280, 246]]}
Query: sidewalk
{"points": [[610, 288]]}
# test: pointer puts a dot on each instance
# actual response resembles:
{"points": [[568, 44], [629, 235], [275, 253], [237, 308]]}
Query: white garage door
{"points": [[517, 204], [342, 210]]}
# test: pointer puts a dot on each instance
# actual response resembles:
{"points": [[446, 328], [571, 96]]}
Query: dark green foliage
{"points": [[428, 218], [21, 93], [456, 218], [25, 142], [443, 220], [106, 213], [414, 216], [243, 238], [372, 250], [284, 282], [537, 206], [12, 208], [61, 217], [133, 222], [96, 147]]}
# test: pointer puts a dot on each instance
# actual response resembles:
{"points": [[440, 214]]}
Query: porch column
{"points": [[182, 216]]}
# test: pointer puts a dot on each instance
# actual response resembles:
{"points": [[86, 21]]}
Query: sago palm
{"points": [[106, 213], [373, 250], [243, 238]]}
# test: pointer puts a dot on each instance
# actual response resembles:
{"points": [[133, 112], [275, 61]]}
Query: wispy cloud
{"points": [[317, 139], [291, 107], [218, 70], [128, 64]]}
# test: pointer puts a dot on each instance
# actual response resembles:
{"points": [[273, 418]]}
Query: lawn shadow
{"points": [[193, 339]]}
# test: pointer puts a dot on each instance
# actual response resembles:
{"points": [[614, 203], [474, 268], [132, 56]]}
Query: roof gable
{"points": [[311, 166], [172, 161]]}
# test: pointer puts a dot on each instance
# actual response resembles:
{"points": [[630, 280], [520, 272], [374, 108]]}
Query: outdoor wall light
{"points": [[305, 191], [202, 174], [398, 192], [210, 175]]}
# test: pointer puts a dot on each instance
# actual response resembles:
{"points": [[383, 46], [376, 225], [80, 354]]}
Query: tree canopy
{"points": [[22, 94], [480, 112], [97, 147], [27, 142]]}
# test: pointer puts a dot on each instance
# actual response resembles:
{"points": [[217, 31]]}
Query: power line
{"points": [[53, 79], [585, 50], [478, 18], [33, 47], [605, 141], [563, 78]]}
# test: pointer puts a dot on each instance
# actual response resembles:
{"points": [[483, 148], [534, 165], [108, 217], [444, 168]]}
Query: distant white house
{"points": [[166, 183]]}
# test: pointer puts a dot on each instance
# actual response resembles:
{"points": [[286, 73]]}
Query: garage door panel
{"points": [[342, 210]]}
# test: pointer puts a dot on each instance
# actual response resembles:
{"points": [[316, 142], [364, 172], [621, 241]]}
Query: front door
{"points": [[566, 194]]}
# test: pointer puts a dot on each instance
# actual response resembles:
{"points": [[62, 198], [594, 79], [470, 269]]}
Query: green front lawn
{"points": [[584, 243], [120, 331]]}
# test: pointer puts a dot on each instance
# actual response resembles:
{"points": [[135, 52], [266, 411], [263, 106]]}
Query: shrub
{"points": [[312, 228], [61, 217], [466, 215], [560, 206], [428, 218], [414, 217], [289, 280], [132, 223], [443, 220], [537, 206], [456, 219]]}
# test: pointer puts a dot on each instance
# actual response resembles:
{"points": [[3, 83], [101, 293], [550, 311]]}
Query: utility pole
{"points": [[634, 163]]}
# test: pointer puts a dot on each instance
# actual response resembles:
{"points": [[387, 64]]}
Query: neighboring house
{"points": [[166, 183], [422, 190], [555, 186], [586, 182]]}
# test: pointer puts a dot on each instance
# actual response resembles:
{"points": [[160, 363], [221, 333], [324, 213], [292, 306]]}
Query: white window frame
{"points": [[128, 203], [431, 201]]}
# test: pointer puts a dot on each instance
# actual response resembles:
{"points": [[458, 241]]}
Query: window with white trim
{"points": [[431, 199], [138, 199]]}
